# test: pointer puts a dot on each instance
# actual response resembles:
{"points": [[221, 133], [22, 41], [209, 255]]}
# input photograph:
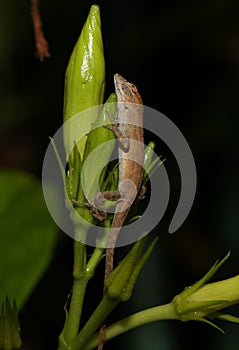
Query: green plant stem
{"points": [[81, 278], [82, 273], [158, 313], [102, 311], [94, 260]]}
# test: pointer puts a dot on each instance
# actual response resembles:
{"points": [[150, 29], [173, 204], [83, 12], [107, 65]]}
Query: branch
{"points": [[42, 49]]}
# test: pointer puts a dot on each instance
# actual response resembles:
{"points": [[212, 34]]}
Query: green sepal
{"points": [[225, 317], [148, 154], [189, 309], [192, 289], [62, 169], [65, 179], [134, 218], [218, 264], [110, 182], [75, 165], [149, 165], [72, 180], [210, 324]]}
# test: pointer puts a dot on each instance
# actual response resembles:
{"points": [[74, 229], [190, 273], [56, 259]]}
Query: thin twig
{"points": [[42, 49], [102, 336]]}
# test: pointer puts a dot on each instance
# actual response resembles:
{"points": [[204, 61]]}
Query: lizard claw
{"points": [[99, 214]]}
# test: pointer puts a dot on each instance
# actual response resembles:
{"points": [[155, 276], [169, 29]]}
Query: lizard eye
{"points": [[133, 88]]}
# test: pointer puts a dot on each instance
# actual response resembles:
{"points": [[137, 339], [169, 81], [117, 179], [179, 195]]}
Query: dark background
{"points": [[184, 58]]}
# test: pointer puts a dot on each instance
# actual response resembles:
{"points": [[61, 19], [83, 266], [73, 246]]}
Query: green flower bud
{"points": [[117, 291], [120, 283], [204, 302], [84, 81], [99, 147]]}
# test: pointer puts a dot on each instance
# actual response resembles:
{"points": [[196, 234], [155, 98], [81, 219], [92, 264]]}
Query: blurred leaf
{"points": [[27, 235], [9, 326]]}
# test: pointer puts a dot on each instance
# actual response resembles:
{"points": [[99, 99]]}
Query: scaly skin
{"points": [[129, 112], [128, 127]]}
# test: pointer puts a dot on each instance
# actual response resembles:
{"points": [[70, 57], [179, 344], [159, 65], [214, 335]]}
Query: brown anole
{"points": [[128, 127]]}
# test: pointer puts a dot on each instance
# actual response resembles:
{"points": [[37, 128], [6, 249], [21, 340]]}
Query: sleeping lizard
{"points": [[128, 127]]}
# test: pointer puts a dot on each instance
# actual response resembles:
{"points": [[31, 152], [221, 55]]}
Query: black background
{"points": [[184, 59]]}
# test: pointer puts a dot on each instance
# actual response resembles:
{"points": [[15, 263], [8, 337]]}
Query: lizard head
{"points": [[126, 92]]}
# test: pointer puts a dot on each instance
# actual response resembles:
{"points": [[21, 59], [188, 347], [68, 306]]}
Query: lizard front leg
{"points": [[97, 207]]}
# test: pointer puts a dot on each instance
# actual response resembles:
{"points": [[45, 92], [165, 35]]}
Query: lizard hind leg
{"points": [[97, 209]]}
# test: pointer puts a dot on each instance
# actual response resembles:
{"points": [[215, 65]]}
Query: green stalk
{"points": [[78, 293], [82, 273], [94, 260], [158, 313], [98, 251], [81, 278], [102, 311]]}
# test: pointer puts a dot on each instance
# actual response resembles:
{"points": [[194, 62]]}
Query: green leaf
{"points": [[9, 326], [27, 235]]}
